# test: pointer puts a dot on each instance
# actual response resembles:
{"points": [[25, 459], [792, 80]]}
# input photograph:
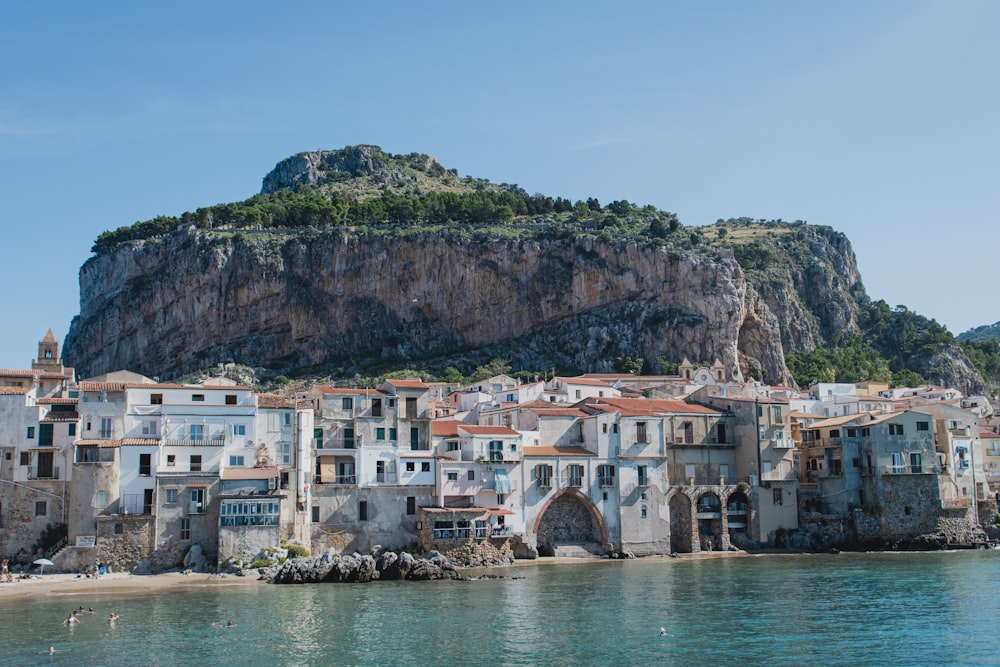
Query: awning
{"points": [[502, 481], [499, 511]]}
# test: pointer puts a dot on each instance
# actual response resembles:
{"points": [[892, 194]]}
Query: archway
{"points": [[738, 518], [680, 523], [709, 515], [569, 518]]}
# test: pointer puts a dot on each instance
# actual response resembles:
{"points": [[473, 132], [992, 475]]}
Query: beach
{"points": [[118, 583]]}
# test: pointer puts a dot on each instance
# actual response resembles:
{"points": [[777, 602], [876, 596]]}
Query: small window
{"points": [[195, 463], [171, 460], [425, 466], [41, 508], [119, 529], [644, 512], [614, 428], [577, 393], [347, 403], [923, 426], [777, 494], [101, 499], [380, 434], [230, 399], [171, 496], [236, 461], [31, 432], [25, 458], [604, 428], [895, 429], [156, 399], [411, 466], [363, 510], [185, 529], [315, 513], [453, 476], [288, 419], [239, 429], [198, 398], [71, 430], [411, 505], [472, 475]]}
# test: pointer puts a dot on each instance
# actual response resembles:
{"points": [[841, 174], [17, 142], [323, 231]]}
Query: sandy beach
{"points": [[70, 586]]}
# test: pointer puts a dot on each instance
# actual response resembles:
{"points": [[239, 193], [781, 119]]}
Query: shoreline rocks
{"points": [[358, 568]]}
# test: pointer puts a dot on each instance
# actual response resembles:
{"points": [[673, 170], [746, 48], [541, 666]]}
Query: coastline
{"points": [[119, 583]]}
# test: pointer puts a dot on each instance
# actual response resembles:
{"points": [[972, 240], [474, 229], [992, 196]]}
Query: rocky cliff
{"points": [[195, 298]]}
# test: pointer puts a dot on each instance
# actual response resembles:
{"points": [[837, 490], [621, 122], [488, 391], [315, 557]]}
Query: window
{"points": [[410, 466], [198, 398], [239, 429], [577, 393], [604, 428], [414, 437], [923, 426], [25, 458], [105, 431], [452, 476], [606, 475], [195, 463], [185, 529], [197, 501], [196, 432], [895, 429], [348, 438], [41, 508], [376, 407], [315, 514], [496, 451], [236, 461], [285, 453], [425, 466], [640, 433], [411, 505], [574, 473], [644, 512], [916, 464], [380, 434], [318, 437], [156, 399], [852, 433], [363, 510], [777, 413], [145, 465], [171, 459], [776, 493], [543, 473], [171, 496], [643, 474], [101, 499], [119, 529], [392, 434], [31, 433], [230, 399], [72, 430], [720, 433], [347, 403], [897, 463], [149, 427], [865, 432], [472, 475], [614, 428]]}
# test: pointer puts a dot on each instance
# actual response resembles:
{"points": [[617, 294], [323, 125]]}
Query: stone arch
{"points": [[738, 517], [569, 517], [708, 512], [681, 526]]}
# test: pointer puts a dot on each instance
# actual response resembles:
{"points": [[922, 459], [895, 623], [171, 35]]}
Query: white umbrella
{"points": [[41, 563]]}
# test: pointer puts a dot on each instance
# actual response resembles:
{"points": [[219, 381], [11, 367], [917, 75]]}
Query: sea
{"points": [[939, 608]]}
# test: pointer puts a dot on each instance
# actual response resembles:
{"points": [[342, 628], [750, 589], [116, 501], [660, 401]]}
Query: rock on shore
{"points": [[334, 568]]}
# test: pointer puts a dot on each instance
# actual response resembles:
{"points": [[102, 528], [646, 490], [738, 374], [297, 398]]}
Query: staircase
{"points": [[579, 550]]}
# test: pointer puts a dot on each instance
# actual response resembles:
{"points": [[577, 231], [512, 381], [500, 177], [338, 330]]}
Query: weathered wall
{"points": [[126, 549], [388, 525]]}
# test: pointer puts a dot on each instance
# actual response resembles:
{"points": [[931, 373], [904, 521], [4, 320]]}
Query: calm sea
{"points": [[848, 609]]}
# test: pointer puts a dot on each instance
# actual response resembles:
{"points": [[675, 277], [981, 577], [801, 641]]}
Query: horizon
{"points": [[874, 120]]}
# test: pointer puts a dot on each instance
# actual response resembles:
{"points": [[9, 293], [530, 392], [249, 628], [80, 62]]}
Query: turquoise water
{"points": [[848, 609]]}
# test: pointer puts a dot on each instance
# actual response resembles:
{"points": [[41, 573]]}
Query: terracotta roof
{"points": [[648, 407], [408, 384], [15, 390], [499, 511], [445, 427], [986, 433], [487, 430], [557, 451], [460, 510], [59, 417], [94, 442], [103, 386], [834, 421], [265, 472], [558, 412], [274, 401], [350, 391], [30, 373], [585, 382], [158, 385], [57, 401]]}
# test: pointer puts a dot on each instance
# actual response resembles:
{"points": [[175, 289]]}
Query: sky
{"points": [[878, 119]]}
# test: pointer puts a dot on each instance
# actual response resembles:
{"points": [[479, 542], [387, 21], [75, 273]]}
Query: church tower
{"points": [[48, 355]]}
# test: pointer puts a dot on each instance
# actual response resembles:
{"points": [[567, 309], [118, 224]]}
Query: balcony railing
{"points": [[133, 503], [53, 473], [610, 481], [908, 470], [188, 442], [337, 479], [783, 443], [385, 478], [501, 531]]}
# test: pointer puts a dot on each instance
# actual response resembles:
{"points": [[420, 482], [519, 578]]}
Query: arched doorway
{"points": [[569, 519], [680, 523], [709, 516], [738, 518]]}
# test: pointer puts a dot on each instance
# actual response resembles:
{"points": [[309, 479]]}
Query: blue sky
{"points": [[876, 118]]}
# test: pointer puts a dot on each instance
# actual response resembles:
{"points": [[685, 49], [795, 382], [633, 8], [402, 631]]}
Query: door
{"points": [[147, 501], [44, 468]]}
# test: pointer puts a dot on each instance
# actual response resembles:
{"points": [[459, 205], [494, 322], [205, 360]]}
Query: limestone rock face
{"points": [[195, 298]]}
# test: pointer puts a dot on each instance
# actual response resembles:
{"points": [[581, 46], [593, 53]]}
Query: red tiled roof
{"points": [[557, 451], [274, 401], [30, 373], [103, 386], [487, 430], [57, 401], [445, 427], [585, 382], [140, 442], [408, 384], [15, 390], [265, 472], [103, 444], [355, 391], [643, 407], [59, 417], [558, 412]]}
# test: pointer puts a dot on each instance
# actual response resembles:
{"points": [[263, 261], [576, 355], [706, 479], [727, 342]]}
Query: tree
{"points": [[493, 368], [451, 375], [629, 363]]}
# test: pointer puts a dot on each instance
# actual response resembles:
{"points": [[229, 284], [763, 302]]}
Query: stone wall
{"points": [[911, 505], [388, 525], [246, 541], [567, 520], [124, 542], [20, 524], [479, 553]]}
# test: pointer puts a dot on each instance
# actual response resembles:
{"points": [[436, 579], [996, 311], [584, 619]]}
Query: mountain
{"points": [[355, 259], [982, 333]]}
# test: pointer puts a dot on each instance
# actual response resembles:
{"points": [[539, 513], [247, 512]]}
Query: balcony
{"points": [[341, 480], [134, 503], [787, 476], [783, 443], [385, 478], [195, 507], [187, 442], [908, 470], [501, 531], [607, 482], [51, 473], [735, 509]]}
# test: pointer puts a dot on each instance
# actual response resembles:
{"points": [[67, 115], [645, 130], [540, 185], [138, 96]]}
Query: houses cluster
{"points": [[138, 471]]}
